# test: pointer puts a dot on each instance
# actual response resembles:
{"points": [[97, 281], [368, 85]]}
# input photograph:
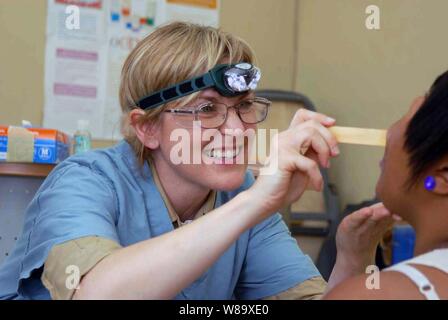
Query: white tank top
{"points": [[437, 259]]}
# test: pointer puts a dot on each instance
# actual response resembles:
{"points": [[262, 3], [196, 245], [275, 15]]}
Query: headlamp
{"points": [[229, 80]]}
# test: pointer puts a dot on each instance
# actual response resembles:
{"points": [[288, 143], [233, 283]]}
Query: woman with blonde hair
{"points": [[128, 222]]}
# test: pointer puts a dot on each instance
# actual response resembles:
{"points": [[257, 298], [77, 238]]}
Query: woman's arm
{"points": [[133, 273], [139, 271]]}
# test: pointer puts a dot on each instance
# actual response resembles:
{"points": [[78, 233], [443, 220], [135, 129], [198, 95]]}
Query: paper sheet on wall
{"points": [[82, 66]]}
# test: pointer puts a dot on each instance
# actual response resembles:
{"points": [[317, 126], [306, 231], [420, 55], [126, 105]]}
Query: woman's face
{"points": [[391, 187], [222, 158]]}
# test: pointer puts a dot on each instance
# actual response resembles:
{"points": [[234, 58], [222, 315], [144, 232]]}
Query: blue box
{"points": [[50, 146]]}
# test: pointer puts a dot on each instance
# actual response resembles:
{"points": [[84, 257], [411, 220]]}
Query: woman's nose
{"points": [[233, 121]]}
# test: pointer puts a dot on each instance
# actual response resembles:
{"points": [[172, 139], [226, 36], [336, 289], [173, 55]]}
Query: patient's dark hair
{"points": [[427, 132]]}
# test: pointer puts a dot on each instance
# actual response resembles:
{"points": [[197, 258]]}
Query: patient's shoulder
{"points": [[380, 286], [391, 284]]}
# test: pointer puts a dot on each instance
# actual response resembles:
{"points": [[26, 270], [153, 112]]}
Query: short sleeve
{"points": [[311, 289], [82, 254], [274, 262], [74, 202]]}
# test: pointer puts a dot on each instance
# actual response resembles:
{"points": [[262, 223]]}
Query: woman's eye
{"points": [[208, 108], [245, 106]]}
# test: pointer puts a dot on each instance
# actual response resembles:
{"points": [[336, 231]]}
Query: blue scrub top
{"points": [[106, 193]]}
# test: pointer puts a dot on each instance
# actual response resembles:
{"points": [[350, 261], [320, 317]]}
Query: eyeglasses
{"points": [[213, 114]]}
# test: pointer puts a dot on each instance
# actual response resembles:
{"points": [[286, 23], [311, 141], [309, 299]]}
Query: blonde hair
{"points": [[171, 54]]}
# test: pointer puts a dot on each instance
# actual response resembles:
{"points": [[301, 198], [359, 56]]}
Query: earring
{"points": [[430, 183]]}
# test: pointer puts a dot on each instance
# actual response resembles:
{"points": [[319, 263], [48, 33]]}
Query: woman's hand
{"points": [[294, 160], [357, 239]]}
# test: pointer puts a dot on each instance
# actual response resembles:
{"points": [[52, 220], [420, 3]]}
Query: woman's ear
{"points": [[441, 179], [147, 132]]}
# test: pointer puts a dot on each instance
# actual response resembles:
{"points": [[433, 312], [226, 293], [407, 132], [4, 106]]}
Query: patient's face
{"points": [[391, 188]]}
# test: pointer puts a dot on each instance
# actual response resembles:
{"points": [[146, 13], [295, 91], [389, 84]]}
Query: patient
{"points": [[414, 185]]}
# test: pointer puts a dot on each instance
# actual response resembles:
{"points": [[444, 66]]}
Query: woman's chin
{"points": [[225, 180]]}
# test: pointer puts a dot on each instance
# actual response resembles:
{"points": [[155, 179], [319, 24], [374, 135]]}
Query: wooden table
{"points": [[37, 170]]}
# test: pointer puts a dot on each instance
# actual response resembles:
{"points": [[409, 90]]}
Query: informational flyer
{"points": [[75, 63], [87, 43], [202, 11]]}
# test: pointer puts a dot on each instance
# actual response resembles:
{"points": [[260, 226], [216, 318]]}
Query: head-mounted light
{"points": [[228, 80]]}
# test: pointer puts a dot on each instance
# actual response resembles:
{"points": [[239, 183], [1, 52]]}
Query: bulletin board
{"points": [[87, 42]]}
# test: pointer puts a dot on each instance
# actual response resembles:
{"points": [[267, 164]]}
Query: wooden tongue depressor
{"points": [[369, 137], [360, 136]]}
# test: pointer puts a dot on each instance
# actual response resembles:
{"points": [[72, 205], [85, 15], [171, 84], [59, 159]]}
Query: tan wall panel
{"points": [[268, 26], [368, 78], [22, 32]]}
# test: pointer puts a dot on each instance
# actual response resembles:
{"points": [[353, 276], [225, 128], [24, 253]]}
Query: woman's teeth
{"points": [[223, 154]]}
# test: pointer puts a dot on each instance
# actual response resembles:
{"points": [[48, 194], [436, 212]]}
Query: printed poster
{"points": [[87, 43]]}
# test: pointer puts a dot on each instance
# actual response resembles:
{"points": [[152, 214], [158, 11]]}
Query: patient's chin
{"points": [[383, 194], [379, 189], [383, 187], [391, 200]]}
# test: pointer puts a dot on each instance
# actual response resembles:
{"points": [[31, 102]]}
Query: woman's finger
{"points": [[381, 207], [311, 154], [310, 168], [379, 221], [308, 137], [329, 138], [303, 115], [380, 212], [358, 218]]}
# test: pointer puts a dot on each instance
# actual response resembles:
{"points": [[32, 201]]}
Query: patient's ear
{"points": [[441, 176], [146, 131]]}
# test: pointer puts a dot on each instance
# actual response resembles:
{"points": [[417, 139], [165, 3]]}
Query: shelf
{"points": [[25, 169]]}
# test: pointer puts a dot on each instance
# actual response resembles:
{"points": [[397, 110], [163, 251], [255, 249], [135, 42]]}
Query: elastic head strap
{"points": [[213, 78], [176, 91]]}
